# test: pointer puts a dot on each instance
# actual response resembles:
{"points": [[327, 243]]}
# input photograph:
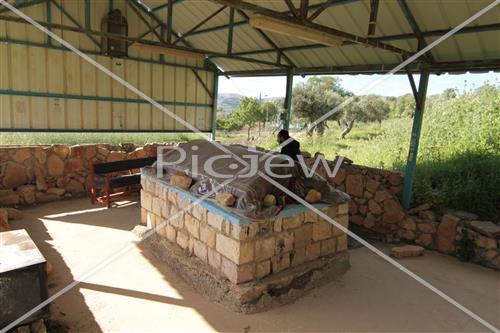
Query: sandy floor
{"points": [[137, 293]]}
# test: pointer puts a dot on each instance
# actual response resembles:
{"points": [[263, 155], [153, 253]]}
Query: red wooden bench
{"points": [[108, 177]]}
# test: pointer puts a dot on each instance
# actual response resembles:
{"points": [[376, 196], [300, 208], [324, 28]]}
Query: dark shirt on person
{"points": [[292, 149]]}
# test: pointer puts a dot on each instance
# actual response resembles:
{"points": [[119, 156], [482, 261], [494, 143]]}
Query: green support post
{"points": [[411, 160], [214, 105], [288, 99]]}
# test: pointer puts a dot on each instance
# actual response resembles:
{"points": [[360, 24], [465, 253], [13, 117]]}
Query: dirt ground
{"points": [[137, 293]]}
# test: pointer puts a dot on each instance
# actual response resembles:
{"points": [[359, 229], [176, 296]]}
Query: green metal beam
{"points": [[95, 98], [390, 38], [411, 160], [22, 4], [288, 99], [245, 22], [147, 32], [214, 104], [199, 24], [150, 61], [414, 26], [458, 67]]}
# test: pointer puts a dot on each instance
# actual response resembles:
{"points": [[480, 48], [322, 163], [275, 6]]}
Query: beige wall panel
{"points": [[132, 115], [4, 66], [179, 111], [55, 75], [19, 71], [16, 31], [200, 98], [5, 111], [131, 109], [180, 95], [57, 18], [89, 78], [104, 116], [71, 7], [72, 73], [89, 115], [89, 88], [169, 94], [145, 87], [38, 112], [37, 12], [145, 116], [3, 29], [37, 69], [74, 115], [209, 100], [191, 86], [43, 70], [56, 113], [38, 82], [157, 95], [97, 11], [21, 114], [73, 87], [20, 81], [5, 100], [118, 91]]}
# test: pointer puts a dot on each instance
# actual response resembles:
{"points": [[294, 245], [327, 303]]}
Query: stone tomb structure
{"points": [[244, 263]]}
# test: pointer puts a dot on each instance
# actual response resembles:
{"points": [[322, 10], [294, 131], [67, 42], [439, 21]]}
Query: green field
{"points": [[17, 138]]}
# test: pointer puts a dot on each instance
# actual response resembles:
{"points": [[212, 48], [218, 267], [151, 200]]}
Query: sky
{"points": [[395, 85]]}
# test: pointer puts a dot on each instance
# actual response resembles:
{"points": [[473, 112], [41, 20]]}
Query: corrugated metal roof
{"points": [[346, 15]]}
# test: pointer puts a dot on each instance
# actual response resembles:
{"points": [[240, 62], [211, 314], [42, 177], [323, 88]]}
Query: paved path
{"points": [[137, 293]]}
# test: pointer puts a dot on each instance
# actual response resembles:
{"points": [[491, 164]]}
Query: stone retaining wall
{"points": [[375, 206], [30, 174], [237, 249]]}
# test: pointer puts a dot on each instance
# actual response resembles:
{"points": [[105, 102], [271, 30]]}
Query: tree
{"points": [[362, 108], [450, 93], [248, 113], [269, 112], [404, 107], [316, 97]]}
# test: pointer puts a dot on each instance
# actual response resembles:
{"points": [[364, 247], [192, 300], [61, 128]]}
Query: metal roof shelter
{"points": [[187, 44]]}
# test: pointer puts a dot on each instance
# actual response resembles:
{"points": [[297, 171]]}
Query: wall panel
{"points": [[46, 88]]}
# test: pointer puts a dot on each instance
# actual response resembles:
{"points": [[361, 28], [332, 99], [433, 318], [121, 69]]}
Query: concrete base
{"points": [[254, 296]]}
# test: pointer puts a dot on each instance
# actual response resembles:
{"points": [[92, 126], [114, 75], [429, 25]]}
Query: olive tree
{"points": [[316, 97]]}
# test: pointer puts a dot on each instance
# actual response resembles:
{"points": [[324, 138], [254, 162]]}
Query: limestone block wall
{"points": [[238, 249], [30, 174], [375, 205]]}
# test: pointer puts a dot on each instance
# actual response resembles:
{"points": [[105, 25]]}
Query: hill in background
{"points": [[228, 102]]}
